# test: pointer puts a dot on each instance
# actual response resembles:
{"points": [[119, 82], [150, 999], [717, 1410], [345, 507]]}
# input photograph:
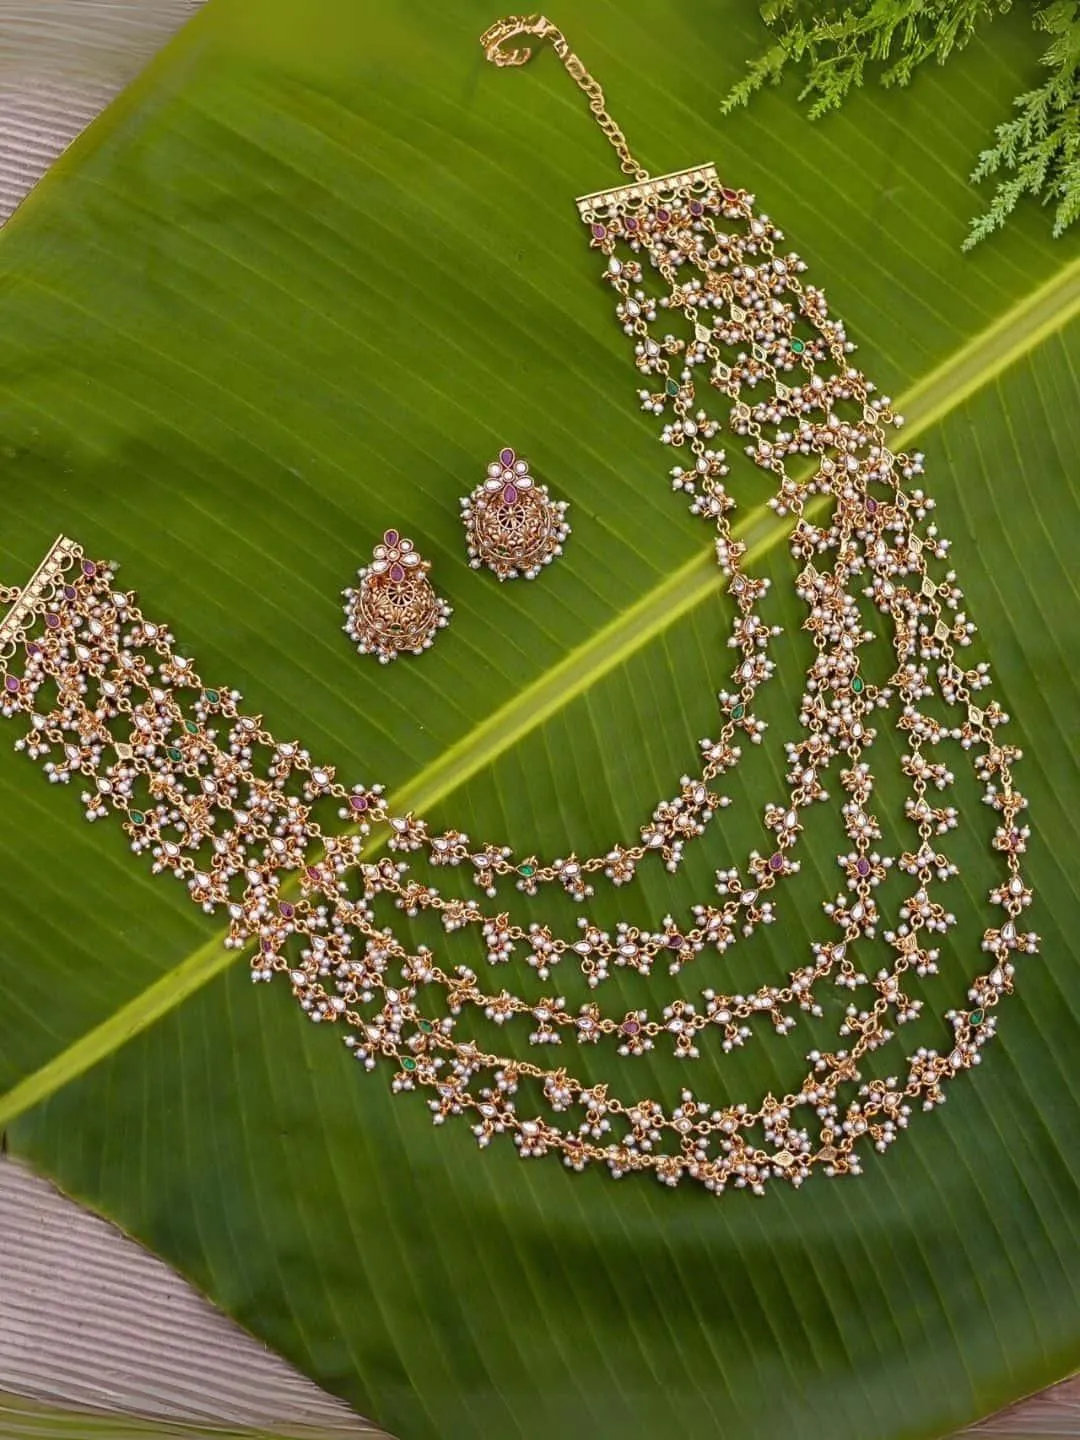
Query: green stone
{"points": [[526, 870], [137, 816], [408, 1063], [738, 712], [976, 1017], [174, 754], [191, 727], [857, 684], [798, 346], [212, 696], [426, 1027], [672, 387]]}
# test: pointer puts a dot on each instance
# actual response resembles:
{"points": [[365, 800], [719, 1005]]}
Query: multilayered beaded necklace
{"points": [[720, 320]]}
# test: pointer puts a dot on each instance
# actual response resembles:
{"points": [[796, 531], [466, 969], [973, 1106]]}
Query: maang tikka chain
{"points": [[240, 817]]}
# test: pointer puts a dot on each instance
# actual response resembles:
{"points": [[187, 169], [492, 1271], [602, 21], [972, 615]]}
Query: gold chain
{"points": [[541, 28]]}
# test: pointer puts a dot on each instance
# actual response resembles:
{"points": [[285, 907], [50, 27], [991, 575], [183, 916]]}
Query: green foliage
{"points": [[298, 285], [1040, 147], [1036, 153]]}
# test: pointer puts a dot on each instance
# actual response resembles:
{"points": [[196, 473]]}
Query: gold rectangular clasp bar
{"points": [[42, 587], [645, 192]]}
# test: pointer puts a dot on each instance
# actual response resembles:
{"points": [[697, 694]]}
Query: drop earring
{"points": [[394, 608], [511, 523]]}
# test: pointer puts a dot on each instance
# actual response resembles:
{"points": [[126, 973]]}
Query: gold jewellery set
{"points": [[512, 526], [725, 332]]}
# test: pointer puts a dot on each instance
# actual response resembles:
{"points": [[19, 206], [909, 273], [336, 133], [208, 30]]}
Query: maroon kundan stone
{"points": [[776, 862], [52, 621], [630, 1027], [510, 494], [506, 458], [358, 802], [286, 909], [862, 865], [675, 942], [391, 537], [664, 215], [871, 506], [599, 231], [89, 568], [397, 573], [696, 207], [12, 683], [70, 593], [631, 223]]}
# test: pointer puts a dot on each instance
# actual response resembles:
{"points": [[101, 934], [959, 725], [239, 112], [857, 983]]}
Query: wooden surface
{"points": [[87, 1317], [61, 61]]}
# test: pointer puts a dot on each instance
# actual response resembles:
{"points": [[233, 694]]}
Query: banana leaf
{"points": [[300, 283]]}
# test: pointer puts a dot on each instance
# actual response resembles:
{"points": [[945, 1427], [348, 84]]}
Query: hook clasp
{"points": [[494, 40], [509, 28]]}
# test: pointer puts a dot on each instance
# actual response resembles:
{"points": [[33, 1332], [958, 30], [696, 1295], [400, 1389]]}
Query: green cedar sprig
{"points": [[1035, 152], [1038, 150]]}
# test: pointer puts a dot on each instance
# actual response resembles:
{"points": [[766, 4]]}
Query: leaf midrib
{"points": [[976, 364]]}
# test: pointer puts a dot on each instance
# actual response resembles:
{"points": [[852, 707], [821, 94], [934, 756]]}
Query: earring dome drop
{"points": [[511, 523], [394, 608]]}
